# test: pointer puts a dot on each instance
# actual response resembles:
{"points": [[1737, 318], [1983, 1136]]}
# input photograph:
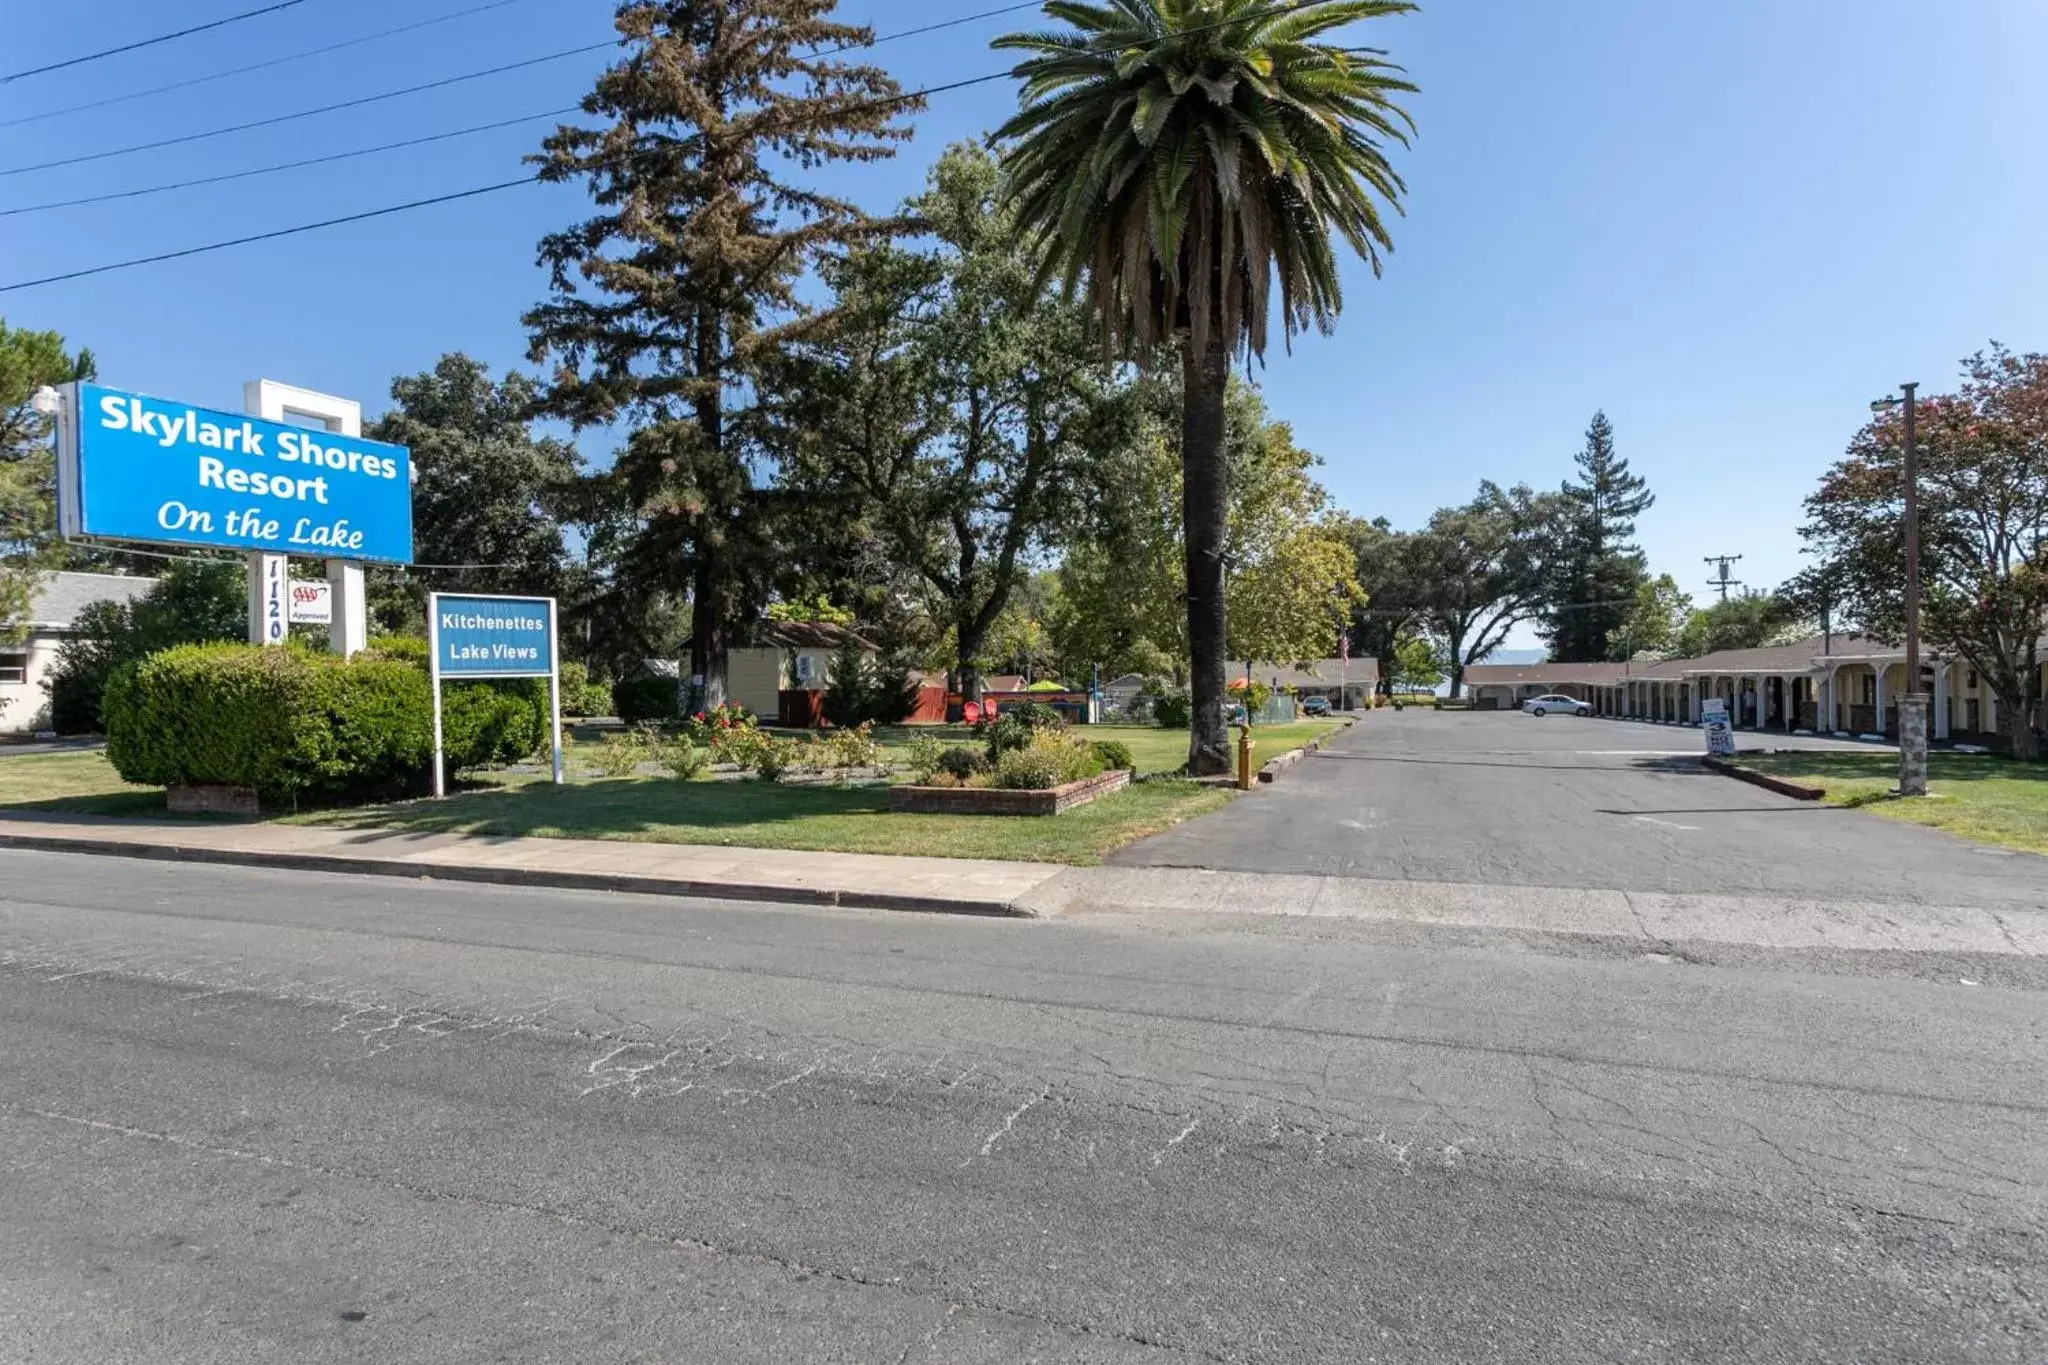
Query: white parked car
{"points": [[1570, 706]]}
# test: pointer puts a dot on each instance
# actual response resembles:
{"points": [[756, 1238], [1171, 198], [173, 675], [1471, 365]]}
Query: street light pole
{"points": [[1913, 705]]}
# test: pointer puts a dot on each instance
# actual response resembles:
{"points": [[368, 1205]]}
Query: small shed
{"points": [[783, 672]]}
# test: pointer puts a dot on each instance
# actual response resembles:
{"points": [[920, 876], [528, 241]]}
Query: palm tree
{"points": [[1182, 156]]}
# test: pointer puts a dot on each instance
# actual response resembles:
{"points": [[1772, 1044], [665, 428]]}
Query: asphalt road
{"points": [[265, 1116], [1514, 799]]}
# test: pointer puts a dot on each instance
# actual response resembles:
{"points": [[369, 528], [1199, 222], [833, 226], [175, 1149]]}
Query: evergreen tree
{"points": [[489, 492], [667, 299], [1598, 568], [28, 488]]}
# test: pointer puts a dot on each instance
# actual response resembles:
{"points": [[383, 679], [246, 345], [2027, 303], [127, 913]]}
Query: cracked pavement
{"points": [[256, 1115]]}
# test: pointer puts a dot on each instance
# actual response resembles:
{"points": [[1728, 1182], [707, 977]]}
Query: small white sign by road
{"points": [[1720, 734]]}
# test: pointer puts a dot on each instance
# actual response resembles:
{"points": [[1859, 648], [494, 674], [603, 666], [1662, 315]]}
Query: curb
{"points": [[1272, 766], [563, 880], [1796, 790]]}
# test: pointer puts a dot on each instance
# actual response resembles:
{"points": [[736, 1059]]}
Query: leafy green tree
{"points": [[1598, 571], [1654, 622], [1983, 497], [194, 602], [1182, 156], [1396, 594], [1416, 663], [668, 300], [28, 491], [950, 413], [1291, 584], [1487, 567], [1747, 620], [489, 493]]}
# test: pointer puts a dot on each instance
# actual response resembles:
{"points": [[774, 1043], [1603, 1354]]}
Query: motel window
{"points": [[13, 666]]}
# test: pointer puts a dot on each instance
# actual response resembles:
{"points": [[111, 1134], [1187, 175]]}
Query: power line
{"points": [[270, 236], [308, 113], [149, 42], [904, 98], [256, 66], [288, 165]]}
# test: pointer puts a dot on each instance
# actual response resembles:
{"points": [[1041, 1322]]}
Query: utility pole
{"points": [[1913, 705], [1722, 581]]}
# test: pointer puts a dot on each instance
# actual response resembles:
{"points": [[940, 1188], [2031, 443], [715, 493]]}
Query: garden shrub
{"points": [[856, 748], [1114, 754], [739, 745], [583, 695], [620, 755], [684, 760], [485, 723], [1172, 709], [648, 699], [774, 757], [1050, 759], [861, 690], [729, 715], [1013, 726], [282, 721], [924, 758], [961, 762]]}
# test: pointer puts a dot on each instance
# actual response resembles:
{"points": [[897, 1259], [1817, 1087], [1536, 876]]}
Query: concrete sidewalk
{"points": [[1045, 890], [951, 885]]}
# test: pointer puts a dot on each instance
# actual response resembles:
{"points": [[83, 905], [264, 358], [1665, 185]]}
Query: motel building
{"points": [[1844, 686]]}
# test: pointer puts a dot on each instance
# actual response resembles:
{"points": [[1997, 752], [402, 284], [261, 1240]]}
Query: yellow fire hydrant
{"points": [[1245, 746]]}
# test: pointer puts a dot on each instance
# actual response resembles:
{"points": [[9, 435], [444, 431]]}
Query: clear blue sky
{"points": [[1729, 225]]}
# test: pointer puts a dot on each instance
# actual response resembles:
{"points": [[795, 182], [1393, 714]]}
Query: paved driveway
{"points": [[1562, 801]]}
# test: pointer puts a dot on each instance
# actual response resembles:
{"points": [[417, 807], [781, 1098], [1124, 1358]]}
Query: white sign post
{"points": [[469, 636], [348, 628]]}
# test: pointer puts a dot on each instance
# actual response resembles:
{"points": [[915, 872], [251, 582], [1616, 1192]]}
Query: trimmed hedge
{"points": [[482, 723], [294, 724], [285, 722], [656, 699]]}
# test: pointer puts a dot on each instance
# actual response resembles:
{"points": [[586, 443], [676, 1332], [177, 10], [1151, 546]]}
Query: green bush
{"points": [[1172, 709], [961, 762], [583, 695], [648, 699], [925, 751], [1050, 760], [862, 691], [620, 755], [774, 757], [1114, 754], [1014, 726], [282, 721], [486, 723], [684, 760]]}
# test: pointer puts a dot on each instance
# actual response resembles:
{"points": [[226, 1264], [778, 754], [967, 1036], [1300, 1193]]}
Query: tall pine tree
{"points": [[1598, 567], [665, 301]]}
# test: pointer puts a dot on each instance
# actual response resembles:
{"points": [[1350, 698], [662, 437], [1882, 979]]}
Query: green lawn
{"points": [[1991, 800], [759, 815], [659, 810], [80, 783]]}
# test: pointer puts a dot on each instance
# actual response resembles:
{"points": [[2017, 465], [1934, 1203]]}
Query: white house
{"points": [[24, 704]]}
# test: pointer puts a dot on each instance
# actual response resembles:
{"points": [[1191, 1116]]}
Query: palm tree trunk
{"points": [[1204, 503]]}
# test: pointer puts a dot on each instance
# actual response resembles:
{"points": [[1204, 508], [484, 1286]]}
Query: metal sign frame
{"points": [[554, 675]]}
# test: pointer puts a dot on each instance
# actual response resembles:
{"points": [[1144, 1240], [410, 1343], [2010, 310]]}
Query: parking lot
{"points": [[1506, 798]]}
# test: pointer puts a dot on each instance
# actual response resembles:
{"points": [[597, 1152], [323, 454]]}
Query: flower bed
{"points": [[1004, 801]]}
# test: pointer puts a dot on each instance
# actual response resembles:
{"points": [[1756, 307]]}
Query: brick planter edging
{"points": [[997, 801], [1798, 791]]}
